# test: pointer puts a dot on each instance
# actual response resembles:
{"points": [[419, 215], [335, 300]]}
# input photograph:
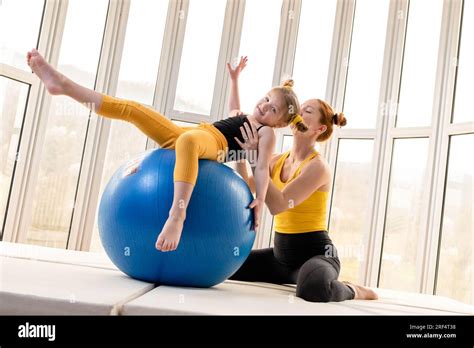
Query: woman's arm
{"points": [[313, 176], [241, 168]]}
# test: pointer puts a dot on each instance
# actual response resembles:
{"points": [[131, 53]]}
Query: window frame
{"points": [[384, 134]]}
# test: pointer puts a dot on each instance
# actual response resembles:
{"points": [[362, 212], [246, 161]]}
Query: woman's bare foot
{"points": [[361, 292], [170, 235], [53, 80]]}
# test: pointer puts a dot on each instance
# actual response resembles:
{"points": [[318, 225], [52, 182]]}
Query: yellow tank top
{"points": [[308, 216]]}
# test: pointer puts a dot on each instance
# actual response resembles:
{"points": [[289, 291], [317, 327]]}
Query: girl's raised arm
{"points": [[234, 99]]}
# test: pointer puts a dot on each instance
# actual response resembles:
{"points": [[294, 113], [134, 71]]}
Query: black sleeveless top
{"points": [[230, 128]]}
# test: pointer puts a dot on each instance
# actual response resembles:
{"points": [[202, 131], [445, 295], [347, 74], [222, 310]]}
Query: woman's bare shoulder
{"points": [[317, 166]]}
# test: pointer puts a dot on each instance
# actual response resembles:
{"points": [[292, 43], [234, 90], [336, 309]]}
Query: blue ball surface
{"points": [[218, 231]]}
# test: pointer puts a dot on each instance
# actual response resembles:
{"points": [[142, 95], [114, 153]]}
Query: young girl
{"points": [[278, 108]]}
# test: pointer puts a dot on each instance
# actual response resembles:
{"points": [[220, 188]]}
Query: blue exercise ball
{"points": [[217, 235]]}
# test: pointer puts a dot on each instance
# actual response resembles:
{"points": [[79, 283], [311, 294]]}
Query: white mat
{"points": [[34, 252], [241, 298], [40, 280], [29, 287]]}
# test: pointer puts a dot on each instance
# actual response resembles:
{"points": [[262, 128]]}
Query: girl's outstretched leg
{"points": [[149, 121], [58, 84]]}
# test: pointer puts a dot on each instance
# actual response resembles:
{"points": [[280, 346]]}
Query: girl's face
{"points": [[270, 110], [311, 116]]}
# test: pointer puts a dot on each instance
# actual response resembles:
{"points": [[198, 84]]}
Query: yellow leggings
{"points": [[190, 143]]}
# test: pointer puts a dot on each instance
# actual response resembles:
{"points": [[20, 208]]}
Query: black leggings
{"points": [[308, 260]]}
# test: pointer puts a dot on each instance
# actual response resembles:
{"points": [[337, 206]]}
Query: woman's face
{"points": [[311, 116]]}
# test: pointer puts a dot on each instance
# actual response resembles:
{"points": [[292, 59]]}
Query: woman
{"points": [[297, 196]]}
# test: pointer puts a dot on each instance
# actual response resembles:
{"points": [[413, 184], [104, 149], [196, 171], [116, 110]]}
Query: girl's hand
{"points": [[250, 144], [234, 73], [257, 206]]}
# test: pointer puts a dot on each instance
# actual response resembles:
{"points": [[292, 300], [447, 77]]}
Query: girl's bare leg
{"points": [[58, 84], [171, 233]]}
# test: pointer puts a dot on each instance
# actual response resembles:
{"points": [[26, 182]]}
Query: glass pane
{"points": [[185, 124], [465, 76], [136, 81], [197, 70], [287, 143], [141, 58], [60, 164], [13, 48], [312, 57], [348, 226], [406, 198], [455, 264], [259, 42], [125, 142], [13, 98], [419, 63], [366, 61]]}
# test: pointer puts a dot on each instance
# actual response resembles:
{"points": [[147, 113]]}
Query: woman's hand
{"points": [[234, 73], [234, 113], [250, 144]]}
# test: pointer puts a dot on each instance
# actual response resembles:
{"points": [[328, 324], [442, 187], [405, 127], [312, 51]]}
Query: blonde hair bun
{"points": [[288, 83]]}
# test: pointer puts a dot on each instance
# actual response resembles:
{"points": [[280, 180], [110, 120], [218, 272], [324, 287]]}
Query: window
{"points": [[13, 48], [287, 143], [259, 42], [465, 74], [125, 142], [13, 98], [136, 81], [365, 64], [419, 63], [455, 262], [349, 219], [59, 168], [313, 49], [197, 70], [141, 58], [185, 124], [406, 199]]}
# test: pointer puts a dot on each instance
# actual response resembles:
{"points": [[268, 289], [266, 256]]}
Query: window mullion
{"points": [[23, 189], [283, 69], [229, 49], [170, 58], [444, 98], [337, 75], [95, 149], [286, 48], [391, 76]]}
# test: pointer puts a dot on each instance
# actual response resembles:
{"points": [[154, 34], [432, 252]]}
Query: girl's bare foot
{"points": [[170, 235], [53, 80], [361, 292]]}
